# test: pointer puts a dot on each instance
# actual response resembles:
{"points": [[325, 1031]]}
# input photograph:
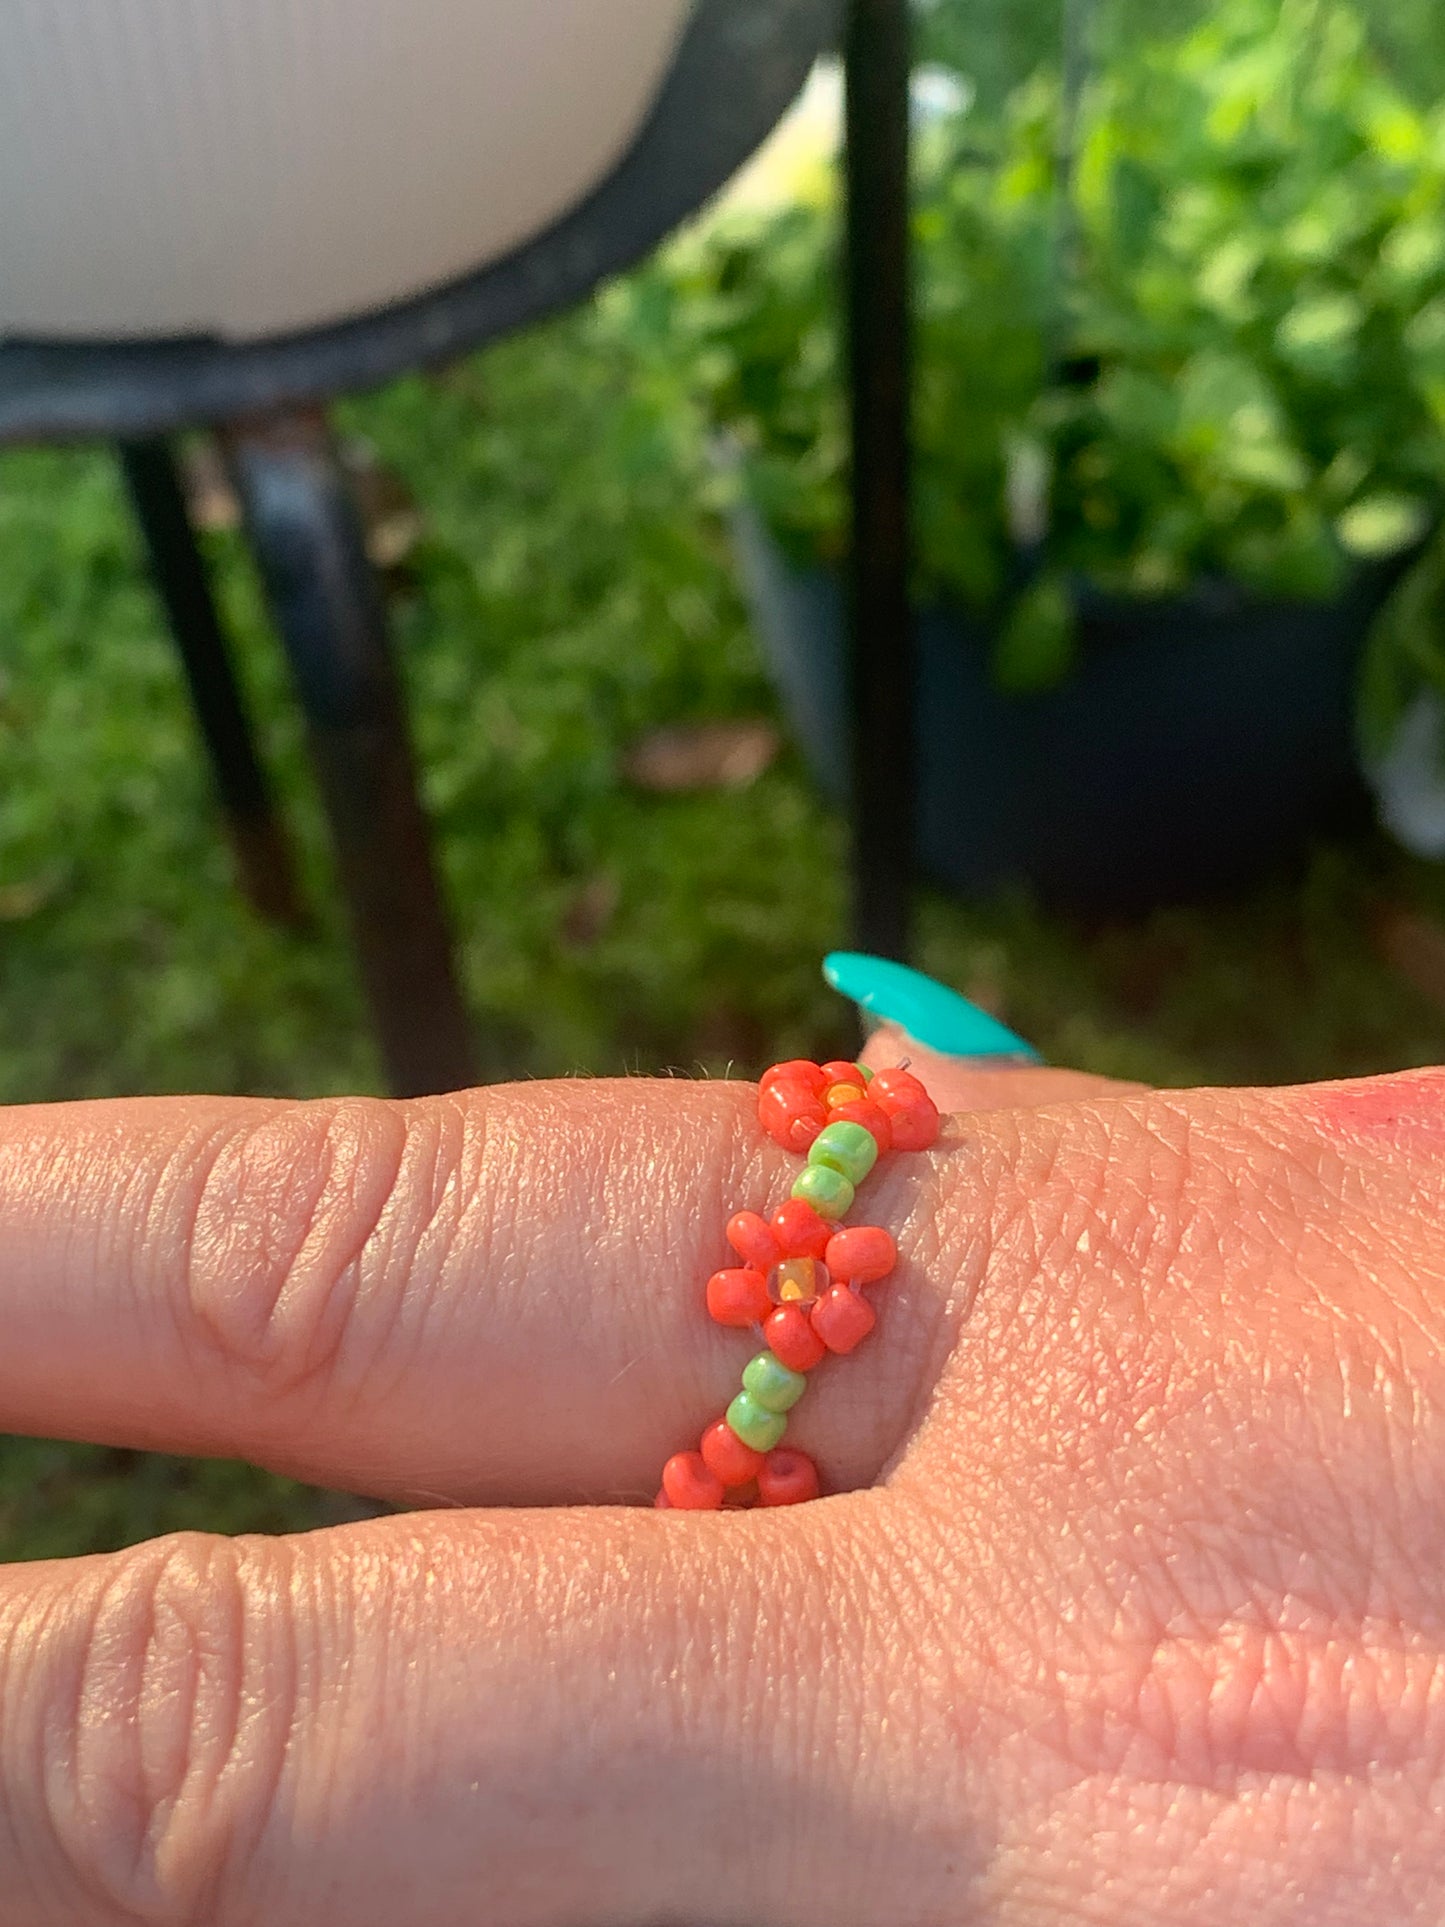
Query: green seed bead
{"points": [[754, 1424], [846, 1147], [867, 1074], [827, 1190], [771, 1384]]}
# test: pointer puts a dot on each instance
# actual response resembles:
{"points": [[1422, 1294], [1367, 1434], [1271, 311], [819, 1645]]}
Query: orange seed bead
{"points": [[914, 1126], [861, 1254], [791, 1115], [752, 1238], [738, 1296], [895, 1086], [843, 1319], [690, 1485], [789, 1332], [788, 1477], [800, 1231], [726, 1457], [797, 1070]]}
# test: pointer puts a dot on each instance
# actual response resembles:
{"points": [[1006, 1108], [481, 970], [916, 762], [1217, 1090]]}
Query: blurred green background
{"points": [[642, 876]]}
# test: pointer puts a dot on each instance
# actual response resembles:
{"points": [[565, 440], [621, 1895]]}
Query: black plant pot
{"points": [[1202, 740]]}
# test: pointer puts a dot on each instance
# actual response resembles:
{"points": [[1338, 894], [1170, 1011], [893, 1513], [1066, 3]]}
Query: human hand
{"points": [[1129, 1607]]}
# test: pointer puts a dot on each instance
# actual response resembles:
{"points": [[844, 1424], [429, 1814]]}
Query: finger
{"points": [[1217, 1312], [497, 1295], [981, 1083], [1200, 1390], [541, 1718]]}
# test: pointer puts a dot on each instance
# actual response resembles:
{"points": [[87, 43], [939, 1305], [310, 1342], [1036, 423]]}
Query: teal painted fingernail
{"points": [[930, 1012]]}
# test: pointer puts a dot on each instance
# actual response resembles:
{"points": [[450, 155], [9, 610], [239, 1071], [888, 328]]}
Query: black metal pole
{"points": [[881, 647], [258, 841], [307, 539]]}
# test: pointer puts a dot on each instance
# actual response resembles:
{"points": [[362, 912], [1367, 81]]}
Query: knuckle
{"points": [[282, 1229], [163, 1772], [1185, 1321]]}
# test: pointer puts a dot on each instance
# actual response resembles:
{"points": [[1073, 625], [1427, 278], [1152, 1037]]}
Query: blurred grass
{"points": [[571, 591]]}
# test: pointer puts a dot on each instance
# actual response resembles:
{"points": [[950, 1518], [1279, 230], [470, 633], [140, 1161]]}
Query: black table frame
{"points": [[738, 65]]}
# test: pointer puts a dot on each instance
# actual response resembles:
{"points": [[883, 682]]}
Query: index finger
{"points": [[495, 1296]]}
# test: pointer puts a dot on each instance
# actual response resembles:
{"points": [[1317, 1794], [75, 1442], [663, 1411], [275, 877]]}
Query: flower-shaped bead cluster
{"points": [[797, 1101]]}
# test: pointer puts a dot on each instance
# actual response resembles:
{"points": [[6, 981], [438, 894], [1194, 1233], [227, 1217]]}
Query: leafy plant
{"points": [[1211, 346]]}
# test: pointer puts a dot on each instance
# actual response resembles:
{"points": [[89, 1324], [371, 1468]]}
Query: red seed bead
{"points": [[797, 1070], [843, 1319], [662, 1503], [871, 1116], [839, 1072], [751, 1237], [915, 1126], [738, 1296], [726, 1457], [689, 1485], [787, 1478], [800, 1232], [894, 1088], [791, 1115], [861, 1254], [790, 1334]]}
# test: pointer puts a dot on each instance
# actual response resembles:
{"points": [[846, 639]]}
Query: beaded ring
{"points": [[799, 1285]]}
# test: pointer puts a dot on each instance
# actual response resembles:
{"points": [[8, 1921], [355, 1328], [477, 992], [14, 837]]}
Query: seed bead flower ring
{"points": [[801, 1275]]}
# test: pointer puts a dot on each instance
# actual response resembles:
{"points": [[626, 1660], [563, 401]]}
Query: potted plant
{"points": [[1180, 395]]}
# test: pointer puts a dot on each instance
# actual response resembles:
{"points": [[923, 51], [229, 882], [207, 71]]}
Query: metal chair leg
{"points": [[308, 543], [881, 644], [257, 836]]}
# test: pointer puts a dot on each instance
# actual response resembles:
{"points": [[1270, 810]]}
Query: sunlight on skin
{"points": [[1128, 1606], [981, 1083]]}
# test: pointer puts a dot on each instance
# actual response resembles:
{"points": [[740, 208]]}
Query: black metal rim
{"points": [[738, 65]]}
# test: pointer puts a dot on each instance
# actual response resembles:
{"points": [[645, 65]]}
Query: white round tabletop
{"points": [[243, 168]]}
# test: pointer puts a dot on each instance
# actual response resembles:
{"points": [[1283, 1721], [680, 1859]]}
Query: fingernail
{"points": [[930, 1012]]}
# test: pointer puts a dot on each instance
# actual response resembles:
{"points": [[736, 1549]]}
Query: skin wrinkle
{"points": [[27, 1635], [67, 1626], [184, 1196], [280, 1226], [423, 1267], [139, 1232], [363, 1317], [416, 1237], [1190, 1621], [1238, 1698], [164, 1763]]}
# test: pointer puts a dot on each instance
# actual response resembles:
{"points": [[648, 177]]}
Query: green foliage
{"points": [[58, 1499], [1037, 639], [1223, 332], [569, 593]]}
